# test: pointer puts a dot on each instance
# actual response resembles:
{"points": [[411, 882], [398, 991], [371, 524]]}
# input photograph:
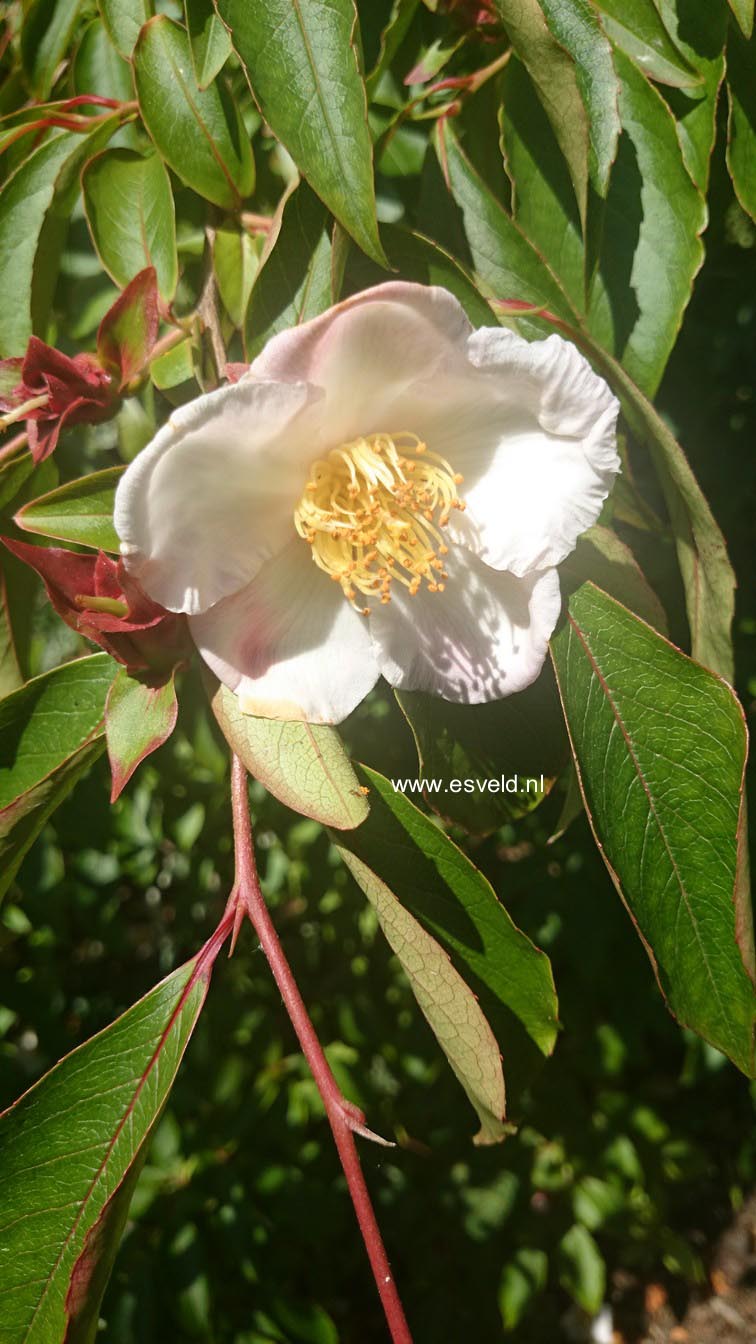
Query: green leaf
{"points": [[80, 511], [46, 32], [602, 558], [139, 718], [302, 64], [174, 368], [652, 248], [199, 132], [209, 39], [700, 35], [741, 126], [504, 261], [235, 262], [48, 719], [98, 68], [69, 1146], [129, 207], [123, 20], [522, 1279], [494, 762], [440, 887], [543, 202], [304, 765], [743, 11], [37, 193], [554, 73], [635, 26], [49, 731], [575, 25], [660, 746], [10, 670], [701, 550], [450, 1007], [294, 280], [581, 1269]]}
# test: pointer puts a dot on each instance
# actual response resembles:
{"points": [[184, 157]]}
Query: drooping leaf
{"points": [[493, 762], [453, 902], [50, 733], [741, 126], [68, 1148], [80, 511], [505, 263], [554, 74], [131, 216], [652, 247], [451, 1008], [294, 280], [701, 549], [45, 36], [302, 64], [209, 40], [199, 132], [700, 35], [139, 718], [123, 20], [637, 29], [660, 746], [304, 765], [98, 68]]}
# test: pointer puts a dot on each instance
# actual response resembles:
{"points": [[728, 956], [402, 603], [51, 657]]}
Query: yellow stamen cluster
{"points": [[372, 511]]}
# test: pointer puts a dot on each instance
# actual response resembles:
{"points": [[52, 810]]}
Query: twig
{"points": [[345, 1119]]}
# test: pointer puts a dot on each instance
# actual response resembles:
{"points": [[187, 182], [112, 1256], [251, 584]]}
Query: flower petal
{"points": [[537, 449], [365, 351], [289, 644], [212, 497], [484, 637]]}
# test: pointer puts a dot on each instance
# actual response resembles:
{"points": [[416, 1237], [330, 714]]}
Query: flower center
{"points": [[372, 511]]}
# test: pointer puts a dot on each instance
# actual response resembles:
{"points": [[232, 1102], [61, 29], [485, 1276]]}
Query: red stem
{"points": [[344, 1118]]}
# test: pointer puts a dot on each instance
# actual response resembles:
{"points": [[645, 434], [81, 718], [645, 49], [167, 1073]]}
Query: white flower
{"points": [[386, 492]]}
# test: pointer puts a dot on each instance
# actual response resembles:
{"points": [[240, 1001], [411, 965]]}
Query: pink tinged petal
{"points": [[484, 637], [289, 644], [212, 497], [366, 351], [538, 452]]}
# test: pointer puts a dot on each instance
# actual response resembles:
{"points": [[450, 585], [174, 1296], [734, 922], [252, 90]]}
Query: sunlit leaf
{"points": [[68, 1147], [80, 511], [660, 747], [303, 67], [303, 765]]}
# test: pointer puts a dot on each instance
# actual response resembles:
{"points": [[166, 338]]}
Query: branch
{"points": [[345, 1119]]}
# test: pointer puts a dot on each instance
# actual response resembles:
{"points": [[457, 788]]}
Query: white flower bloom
{"points": [[385, 492]]}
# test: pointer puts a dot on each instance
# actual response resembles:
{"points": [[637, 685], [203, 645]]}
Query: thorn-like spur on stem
{"points": [[345, 1119]]}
